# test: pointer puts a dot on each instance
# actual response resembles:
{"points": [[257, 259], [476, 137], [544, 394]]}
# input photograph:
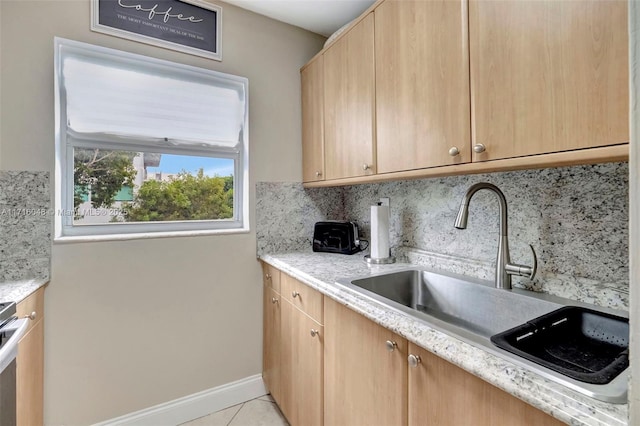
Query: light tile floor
{"points": [[261, 411]]}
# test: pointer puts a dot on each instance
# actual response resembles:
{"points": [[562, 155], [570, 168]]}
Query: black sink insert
{"points": [[581, 343]]}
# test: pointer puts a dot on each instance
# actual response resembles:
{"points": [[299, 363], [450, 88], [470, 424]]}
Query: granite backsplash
{"points": [[576, 218], [25, 225]]}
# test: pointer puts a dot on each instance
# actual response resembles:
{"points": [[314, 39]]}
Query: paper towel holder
{"points": [[381, 261]]}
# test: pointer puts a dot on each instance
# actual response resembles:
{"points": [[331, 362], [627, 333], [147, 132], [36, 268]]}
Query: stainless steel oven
{"points": [[11, 331]]}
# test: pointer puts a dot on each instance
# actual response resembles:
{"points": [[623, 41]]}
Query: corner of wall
{"points": [[1, 49], [634, 206]]}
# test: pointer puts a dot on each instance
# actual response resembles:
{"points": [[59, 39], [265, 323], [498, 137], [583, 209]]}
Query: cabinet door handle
{"points": [[453, 151], [414, 360], [391, 345], [366, 166], [318, 174], [478, 148], [295, 294], [274, 300], [32, 316], [267, 276], [314, 332]]}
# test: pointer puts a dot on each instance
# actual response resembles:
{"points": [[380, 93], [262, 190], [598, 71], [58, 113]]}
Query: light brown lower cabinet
{"points": [[30, 364], [342, 369], [443, 394], [293, 345], [271, 349], [365, 377], [302, 367]]}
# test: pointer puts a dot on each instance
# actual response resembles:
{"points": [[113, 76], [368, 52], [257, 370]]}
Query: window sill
{"points": [[146, 235]]}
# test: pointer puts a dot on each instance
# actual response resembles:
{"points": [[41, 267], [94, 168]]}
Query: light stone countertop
{"points": [[17, 291], [321, 270]]}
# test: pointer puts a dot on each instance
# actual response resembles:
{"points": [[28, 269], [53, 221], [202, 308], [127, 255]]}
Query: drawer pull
{"points": [[414, 360], [478, 148], [32, 316], [295, 294], [314, 332], [391, 345], [274, 300]]}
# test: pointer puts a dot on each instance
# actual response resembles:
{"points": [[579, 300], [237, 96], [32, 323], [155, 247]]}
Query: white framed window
{"points": [[147, 147]]}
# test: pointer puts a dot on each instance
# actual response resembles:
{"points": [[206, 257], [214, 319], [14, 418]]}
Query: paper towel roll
{"points": [[379, 232]]}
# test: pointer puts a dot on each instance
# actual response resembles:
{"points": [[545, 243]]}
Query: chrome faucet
{"points": [[504, 267]]}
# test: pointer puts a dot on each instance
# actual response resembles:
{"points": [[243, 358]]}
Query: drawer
{"points": [[33, 303], [271, 277], [303, 297]]}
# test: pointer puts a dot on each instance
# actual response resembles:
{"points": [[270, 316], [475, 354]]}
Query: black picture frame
{"points": [[189, 26]]}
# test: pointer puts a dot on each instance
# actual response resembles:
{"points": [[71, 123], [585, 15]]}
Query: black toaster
{"points": [[336, 237]]}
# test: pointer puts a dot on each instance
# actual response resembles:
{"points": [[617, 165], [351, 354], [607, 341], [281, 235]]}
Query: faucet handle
{"points": [[522, 270]]}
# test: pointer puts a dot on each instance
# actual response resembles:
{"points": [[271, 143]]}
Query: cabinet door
{"points": [[30, 376], [365, 383], [271, 343], [30, 362], [548, 76], [349, 102], [312, 80], [447, 395], [302, 367], [422, 84]]}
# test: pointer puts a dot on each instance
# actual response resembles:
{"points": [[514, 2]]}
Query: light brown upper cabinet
{"points": [[448, 87], [422, 84], [548, 76], [349, 103], [313, 120]]}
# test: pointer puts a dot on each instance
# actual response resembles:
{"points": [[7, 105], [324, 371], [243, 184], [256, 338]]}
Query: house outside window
{"points": [[146, 147]]}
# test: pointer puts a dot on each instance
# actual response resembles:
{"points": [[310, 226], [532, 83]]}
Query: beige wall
{"points": [[634, 209], [136, 323], [1, 68]]}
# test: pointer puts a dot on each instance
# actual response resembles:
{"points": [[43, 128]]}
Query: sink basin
{"points": [[473, 310], [475, 307]]}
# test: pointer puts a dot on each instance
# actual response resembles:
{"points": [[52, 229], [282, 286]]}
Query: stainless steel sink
{"points": [[473, 310], [473, 306]]}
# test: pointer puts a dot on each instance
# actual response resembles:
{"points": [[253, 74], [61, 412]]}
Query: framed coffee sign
{"points": [[190, 26]]}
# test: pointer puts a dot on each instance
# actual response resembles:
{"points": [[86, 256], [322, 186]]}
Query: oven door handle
{"points": [[9, 350]]}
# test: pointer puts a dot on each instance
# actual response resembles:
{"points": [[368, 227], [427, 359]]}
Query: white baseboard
{"points": [[191, 407]]}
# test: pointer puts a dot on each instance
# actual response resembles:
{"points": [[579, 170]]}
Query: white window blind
{"points": [[124, 109], [150, 101]]}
